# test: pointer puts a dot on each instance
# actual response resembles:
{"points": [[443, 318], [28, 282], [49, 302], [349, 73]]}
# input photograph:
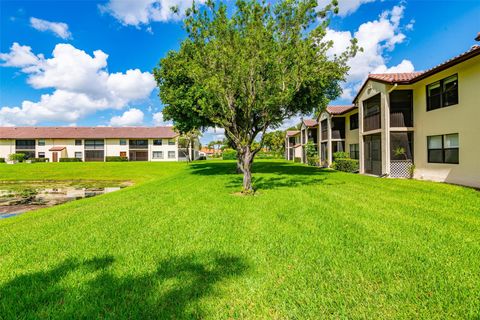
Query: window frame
{"points": [[78, 152], [157, 140], [355, 152], [41, 154], [171, 142], [158, 152], [41, 142], [122, 142], [78, 142], [168, 154], [442, 93], [443, 148]]}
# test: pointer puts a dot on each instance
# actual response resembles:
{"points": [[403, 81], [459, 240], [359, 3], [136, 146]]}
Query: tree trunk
{"points": [[245, 161]]}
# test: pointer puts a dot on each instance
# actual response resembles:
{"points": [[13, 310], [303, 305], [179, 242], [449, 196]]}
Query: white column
{"points": [[386, 134], [361, 155], [329, 141]]}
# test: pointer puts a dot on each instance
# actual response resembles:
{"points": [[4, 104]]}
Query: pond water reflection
{"points": [[19, 197]]}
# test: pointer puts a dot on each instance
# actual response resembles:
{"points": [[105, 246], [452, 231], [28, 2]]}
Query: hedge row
{"points": [[115, 159], [70, 160]]}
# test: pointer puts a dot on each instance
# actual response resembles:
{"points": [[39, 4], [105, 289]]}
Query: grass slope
{"points": [[180, 244]]}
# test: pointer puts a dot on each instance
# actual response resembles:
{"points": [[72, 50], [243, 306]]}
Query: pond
{"points": [[18, 197]]}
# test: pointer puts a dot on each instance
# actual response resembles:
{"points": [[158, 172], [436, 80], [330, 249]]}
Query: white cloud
{"points": [[159, 121], [20, 57], [376, 38], [138, 12], [81, 83], [132, 117], [345, 7], [60, 29]]}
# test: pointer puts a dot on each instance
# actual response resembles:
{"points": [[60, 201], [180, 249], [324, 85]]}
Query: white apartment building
{"points": [[95, 143]]}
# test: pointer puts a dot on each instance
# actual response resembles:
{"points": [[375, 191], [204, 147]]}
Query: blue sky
{"points": [[52, 76]]}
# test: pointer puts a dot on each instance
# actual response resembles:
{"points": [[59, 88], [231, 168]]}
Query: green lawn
{"points": [[181, 244]]}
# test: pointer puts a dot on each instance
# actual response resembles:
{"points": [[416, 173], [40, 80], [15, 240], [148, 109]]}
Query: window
{"points": [[442, 93], [78, 142], [138, 144], [25, 144], [41, 154], [123, 142], [171, 142], [157, 142], [354, 121], [78, 155], [171, 154], [354, 151], [41, 142], [159, 154], [443, 148], [94, 144]]}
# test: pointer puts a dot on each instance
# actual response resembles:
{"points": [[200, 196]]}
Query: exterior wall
{"points": [[165, 148], [69, 152], [351, 136], [113, 148], [461, 118], [7, 147]]}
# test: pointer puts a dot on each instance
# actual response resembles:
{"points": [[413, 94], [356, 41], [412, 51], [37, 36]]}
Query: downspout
{"points": [[393, 88]]}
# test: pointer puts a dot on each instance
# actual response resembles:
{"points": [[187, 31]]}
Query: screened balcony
{"points": [[371, 114]]}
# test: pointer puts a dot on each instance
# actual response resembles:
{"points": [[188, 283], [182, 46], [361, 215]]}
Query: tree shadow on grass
{"points": [[209, 168], [286, 174], [91, 290]]}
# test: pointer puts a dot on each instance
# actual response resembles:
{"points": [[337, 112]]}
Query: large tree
{"points": [[248, 68]]}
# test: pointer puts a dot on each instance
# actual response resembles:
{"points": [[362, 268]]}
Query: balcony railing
{"points": [[371, 122], [24, 147]]}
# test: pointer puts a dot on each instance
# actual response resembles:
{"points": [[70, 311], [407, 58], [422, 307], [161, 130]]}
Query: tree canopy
{"points": [[248, 68]]}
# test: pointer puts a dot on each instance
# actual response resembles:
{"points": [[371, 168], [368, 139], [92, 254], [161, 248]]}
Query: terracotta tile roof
{"points": [[394, 77], [310, 122], [56, 148], [340, 109], [291, 133], [412, 77], [86, 132]]}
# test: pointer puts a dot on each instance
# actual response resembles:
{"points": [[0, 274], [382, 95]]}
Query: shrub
{"points": [[115, 159], [202, 158], [38, 160], [313, 161], [16, 157], [297, 159], [70, 160], [347, 165], [268, 155], [2, 160], [229, 154], [341, 155]]}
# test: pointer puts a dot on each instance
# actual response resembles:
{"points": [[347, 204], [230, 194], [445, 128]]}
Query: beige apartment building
{"points": [[338, 132], [419, 124]]}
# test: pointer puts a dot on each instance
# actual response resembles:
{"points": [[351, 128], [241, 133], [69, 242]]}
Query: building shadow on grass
{"points": [[285, 174], [172, 291]]}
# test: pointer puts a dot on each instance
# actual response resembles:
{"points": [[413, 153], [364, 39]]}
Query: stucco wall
{"points": [[165, 148], [351, 136], [7, 147], [462, 118], [69, 152]]}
